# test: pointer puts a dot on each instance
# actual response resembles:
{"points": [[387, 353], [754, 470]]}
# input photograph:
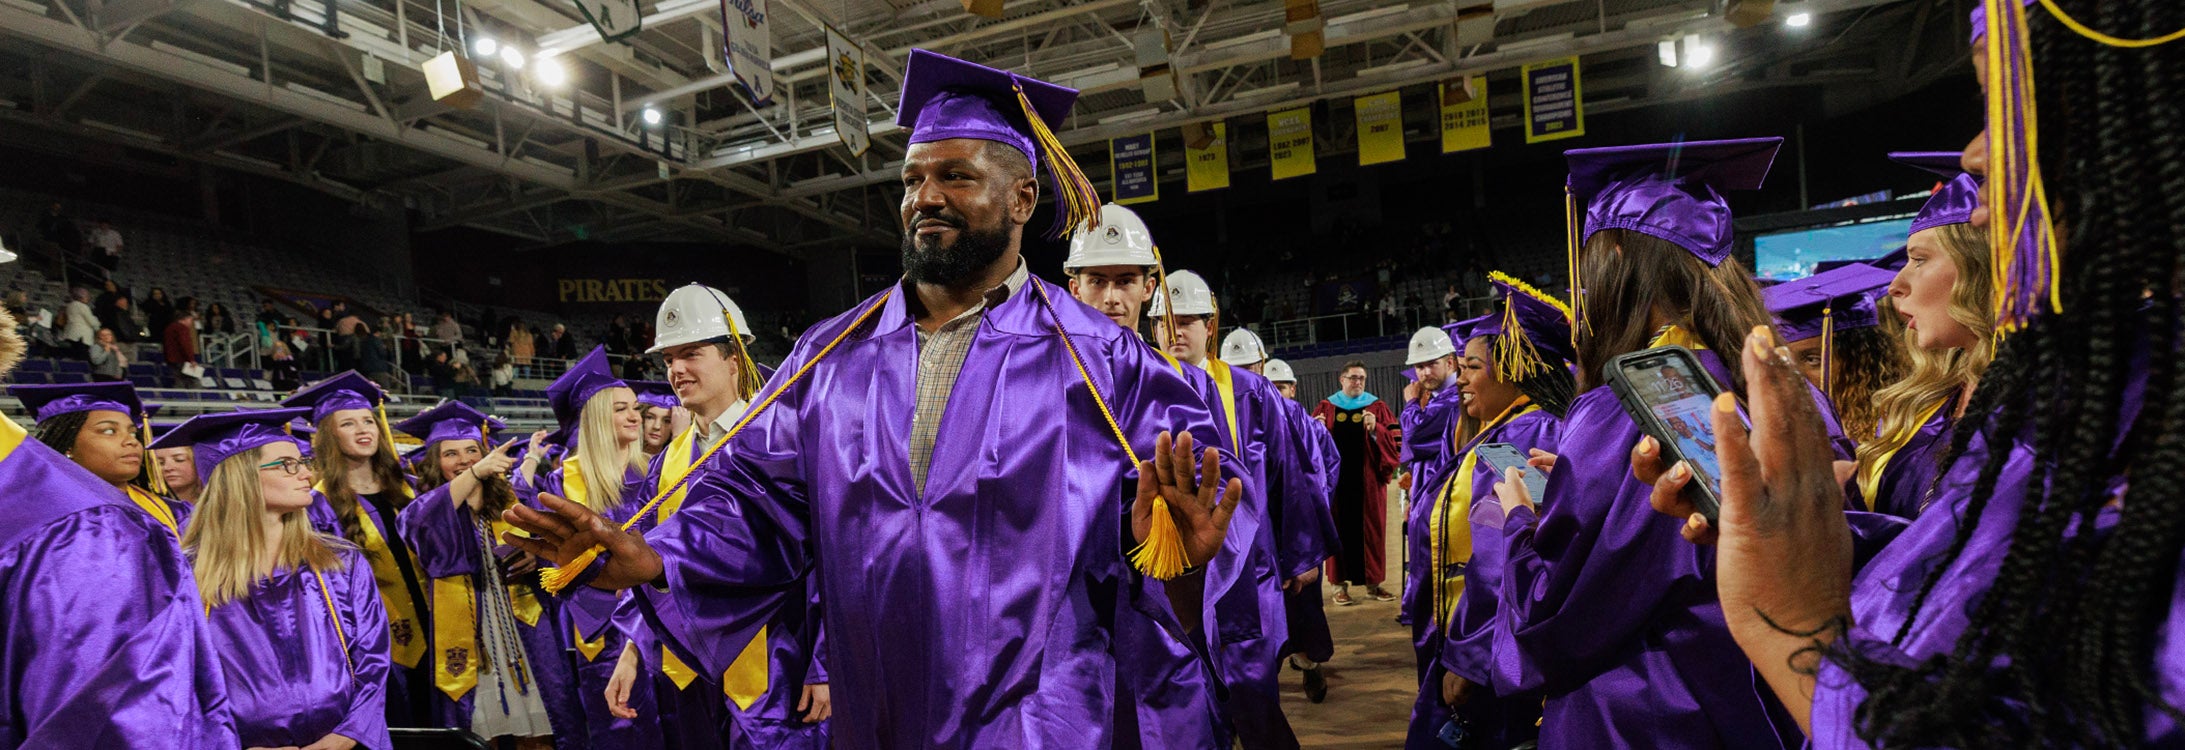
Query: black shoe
{"points": [[1316, 686]]}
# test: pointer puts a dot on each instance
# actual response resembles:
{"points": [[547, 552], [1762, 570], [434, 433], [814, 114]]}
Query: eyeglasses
{"points": [[1354, 378], [289, 466]]}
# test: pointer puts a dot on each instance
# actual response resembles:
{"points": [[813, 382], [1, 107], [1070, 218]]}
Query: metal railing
{"points": [[1317, 329]]}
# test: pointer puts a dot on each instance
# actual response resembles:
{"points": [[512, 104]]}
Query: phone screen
{"points": [[1504, 456], [1680, 402]]}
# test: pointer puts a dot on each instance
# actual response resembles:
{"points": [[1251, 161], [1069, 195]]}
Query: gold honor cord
{"points": [[556, 579], [1162, 554], [339, 636], [2090, 33]]}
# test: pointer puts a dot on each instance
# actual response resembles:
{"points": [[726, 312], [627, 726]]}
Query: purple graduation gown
{"points": [[700, 716], [1427, 451], [1903, 486], [979, 612], [586, 615], [404, 684], [444, 534], [1312, 538], [103, 641], [1500, 711], [1617, 613], [288, 681]]}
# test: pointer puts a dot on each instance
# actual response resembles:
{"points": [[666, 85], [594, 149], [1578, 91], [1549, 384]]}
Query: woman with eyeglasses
{"points": [[295, 615]]}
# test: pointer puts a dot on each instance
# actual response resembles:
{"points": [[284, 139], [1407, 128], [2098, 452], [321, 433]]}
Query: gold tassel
{"points": [[1077, 202], [1828, 351], [1571, 228], [2015, 190], [554, 580], [144, 432], [1516, 358]]}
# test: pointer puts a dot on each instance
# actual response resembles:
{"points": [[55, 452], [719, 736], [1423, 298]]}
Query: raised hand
{"points": [[570, 529], [496, 462], [1202, 514]]}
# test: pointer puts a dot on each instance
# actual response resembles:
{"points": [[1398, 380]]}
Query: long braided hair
{"points": [[2059, 652]]}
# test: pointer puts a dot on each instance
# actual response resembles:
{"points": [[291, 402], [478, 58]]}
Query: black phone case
{"points": [[1710, 506]]}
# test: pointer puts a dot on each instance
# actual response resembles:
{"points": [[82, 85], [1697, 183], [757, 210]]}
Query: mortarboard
{"points": [[1668, 190], [452, 420], [1825, 303], [1532, 332], [48, 401], [945, 98], [1954, 201], [656, 393], [218, 437], [1461, 331], [586, 377], [343, 392], [1894, 261]]}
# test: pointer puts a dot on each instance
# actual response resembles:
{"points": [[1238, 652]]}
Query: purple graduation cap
{"points": [[586, 377], [343, 392], [655, 393], [1954, 201], [945, 98], [1461, 331], [452, 420], [48, 401], [1836, 300], [1531, 333], [1668, 190], [1892, 262], [218, 437]]}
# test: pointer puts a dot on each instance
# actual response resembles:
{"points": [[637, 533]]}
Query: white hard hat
{"points": [[1121, 240], [692, 314], [1193, 296], [1279, 371], [1242, 348], [1429, 344]]}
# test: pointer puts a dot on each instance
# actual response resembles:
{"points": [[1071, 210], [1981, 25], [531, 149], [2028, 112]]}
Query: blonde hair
{"points": [[597, 437], [226, 537], [1936, 374]]}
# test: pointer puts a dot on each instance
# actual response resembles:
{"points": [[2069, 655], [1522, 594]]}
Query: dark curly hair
{"points": [[2059, 652], [59, 433]]}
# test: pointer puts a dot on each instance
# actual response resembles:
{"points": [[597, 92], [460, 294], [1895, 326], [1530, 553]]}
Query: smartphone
{"points": [[1672, 398], [1502, 457]]}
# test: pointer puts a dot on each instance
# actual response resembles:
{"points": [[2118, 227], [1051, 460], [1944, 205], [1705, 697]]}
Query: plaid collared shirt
{"points": [[941, 356]]}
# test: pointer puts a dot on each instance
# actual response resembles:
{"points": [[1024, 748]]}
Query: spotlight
{"points": [[551, 72], [652, 116], [1666, 51], [512, 56], [485, 46], [1799, 20], [1698, 53]]}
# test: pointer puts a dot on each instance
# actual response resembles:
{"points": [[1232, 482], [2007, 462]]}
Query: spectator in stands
{"points": [[180, 343], [521, 344], [109, 291], [371, 356], [105, 246], [442, 373], [60, 230], [504, 375], [283, 369], [561, 345], [108, 360], [158, 309], [79, 326], [217, 320], [618, 339], [120, 315], [447, 330], [268, 316], [326, 317]]}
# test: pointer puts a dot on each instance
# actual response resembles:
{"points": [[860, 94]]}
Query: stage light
{"points": [[1666, 51], [1698, 53], [1798, 20], [512, 56], [551, 72], [484, 46], [652, 116]]}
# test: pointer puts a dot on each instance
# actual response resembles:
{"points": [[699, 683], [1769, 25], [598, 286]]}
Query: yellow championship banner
{"points": [[1206, 162], [1554, 103], [1290, 142], [1464, 115], [1380, 128]]}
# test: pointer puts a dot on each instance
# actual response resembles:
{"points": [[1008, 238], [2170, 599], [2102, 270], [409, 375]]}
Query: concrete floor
{"points": [[1372, 679]]}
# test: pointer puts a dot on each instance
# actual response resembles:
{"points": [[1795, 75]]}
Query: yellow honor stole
{"points": [[455, 617], [159, 508], [1453, 511], [1870, 476], [1226, 384], [405, 640]]}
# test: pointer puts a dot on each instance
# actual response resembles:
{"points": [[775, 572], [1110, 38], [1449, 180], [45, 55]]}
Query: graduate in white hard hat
{"points": [[777, 696], [1288, 552], [1285, 379], [1114, 268], [1431, 410], [1243, 348]]}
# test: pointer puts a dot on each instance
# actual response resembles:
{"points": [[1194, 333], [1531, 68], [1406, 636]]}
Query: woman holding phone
{"points": [[2036, 602], [1621, 623], [1513, 379]]}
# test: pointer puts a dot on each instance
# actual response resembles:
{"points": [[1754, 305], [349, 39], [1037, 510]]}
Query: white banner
{"points": [[613, 19], [846, 77], [750, 46]]}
